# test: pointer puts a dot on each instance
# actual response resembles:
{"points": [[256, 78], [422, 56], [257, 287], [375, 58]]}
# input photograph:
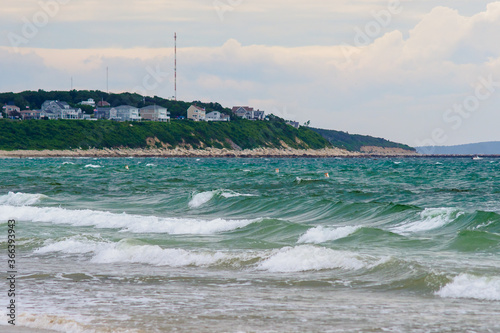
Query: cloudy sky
{"points": [[419, 72]]}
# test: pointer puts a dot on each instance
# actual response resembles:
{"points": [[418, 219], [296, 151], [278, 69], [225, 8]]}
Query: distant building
{"points": [[154, 113], [11, 109], [293, 123], [31, 114], [59, 110], [247, 112], [124, 113], [216, 116], [103, 104], [102, 113], [90, 102], [196, 113]]}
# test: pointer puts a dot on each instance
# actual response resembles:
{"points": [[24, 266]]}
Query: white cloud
{"points": [[398, 86]]}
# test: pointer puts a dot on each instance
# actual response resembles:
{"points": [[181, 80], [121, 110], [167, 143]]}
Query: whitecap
{"points": [[124, 222], [232, 194], [72, 245], [93, 166], [21, 199], [123, 252], [430, 219], [320, 234], [308, 258], [470, 286], [199, 199]]}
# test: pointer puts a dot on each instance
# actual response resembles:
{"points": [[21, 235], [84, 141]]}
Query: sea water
{"points": [[232, 245]]}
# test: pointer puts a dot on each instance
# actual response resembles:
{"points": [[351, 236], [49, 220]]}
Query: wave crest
{"points": [[21, 199], [310, 258], [125, 222], [470, 286], [320, 234]]}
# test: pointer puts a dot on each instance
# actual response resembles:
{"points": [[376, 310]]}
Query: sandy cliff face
{"points": [[386, 151], [180, 152], [209, 152]]}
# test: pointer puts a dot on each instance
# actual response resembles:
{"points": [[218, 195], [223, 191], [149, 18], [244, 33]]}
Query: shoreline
{"points": [[223, 153], [207, 152]]}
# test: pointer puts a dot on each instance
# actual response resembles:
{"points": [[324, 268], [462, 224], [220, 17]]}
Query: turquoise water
{"points": [[232, 245]]}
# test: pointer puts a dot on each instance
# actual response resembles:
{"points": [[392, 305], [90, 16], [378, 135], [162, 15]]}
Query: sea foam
{"points": [[60, 324], [199, 199], [320, 234], [21, 199], [124, 222], [470, 286], [123, 252], [307, 258], [73, 245], [128, 251], [93, 166], [430, 219]]}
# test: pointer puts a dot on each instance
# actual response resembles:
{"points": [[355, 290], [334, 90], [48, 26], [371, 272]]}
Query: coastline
{"points": [[206, 152]]}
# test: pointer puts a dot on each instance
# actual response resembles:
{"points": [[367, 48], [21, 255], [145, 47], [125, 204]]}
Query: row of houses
{"points": [[62, 110]]}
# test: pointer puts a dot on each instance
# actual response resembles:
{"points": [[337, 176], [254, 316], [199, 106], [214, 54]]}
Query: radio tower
{"points": [[175, 65]]}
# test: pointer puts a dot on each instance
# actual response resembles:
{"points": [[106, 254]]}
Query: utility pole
{"points": [[175, 65]]}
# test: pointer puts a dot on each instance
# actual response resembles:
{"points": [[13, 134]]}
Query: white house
{"points": [[196, 113], [59, 110], [124, 113], [247, 112], [90, 102], [216, 116], [155, 113]]}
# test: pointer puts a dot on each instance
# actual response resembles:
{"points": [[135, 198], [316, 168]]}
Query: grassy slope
{"points": [[70, 134], [354, 142]]}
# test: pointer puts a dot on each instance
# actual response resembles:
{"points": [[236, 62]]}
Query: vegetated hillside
{"points": [[35, 99], [71, 134], [354, 142], [481, 148]]}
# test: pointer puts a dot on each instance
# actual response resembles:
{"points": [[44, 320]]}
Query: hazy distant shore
{"points": [[207, 152]]}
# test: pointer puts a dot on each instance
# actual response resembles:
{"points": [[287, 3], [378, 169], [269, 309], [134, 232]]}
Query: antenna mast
{"points": [[175, 65]]}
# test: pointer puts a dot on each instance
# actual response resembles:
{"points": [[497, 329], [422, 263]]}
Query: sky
{"points": [[417, 72]]}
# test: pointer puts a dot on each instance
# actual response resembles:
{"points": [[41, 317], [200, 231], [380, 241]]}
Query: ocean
{"points": [[252, 245]]}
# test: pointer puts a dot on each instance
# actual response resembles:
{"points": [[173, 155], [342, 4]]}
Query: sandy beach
{"points": [[208, 152]]}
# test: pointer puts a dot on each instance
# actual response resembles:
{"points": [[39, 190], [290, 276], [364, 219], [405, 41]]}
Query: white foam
{"points": [[21, 199], [123, 252], [320, 234], [64, 163], [470, 286], [93, 166], [150, 165], [61, 324], [430, 219], [308, 257], [73, 245], [200, 199], [124, 222], [232, 194]]}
